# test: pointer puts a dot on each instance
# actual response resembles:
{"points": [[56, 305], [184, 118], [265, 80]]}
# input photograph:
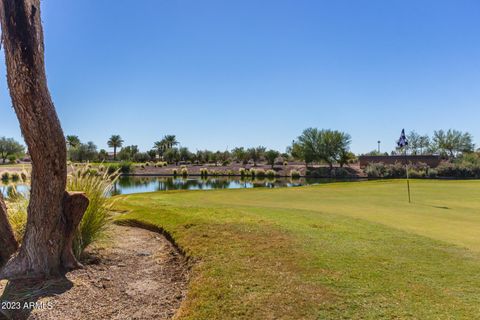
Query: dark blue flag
{"points": [[402, 142]]}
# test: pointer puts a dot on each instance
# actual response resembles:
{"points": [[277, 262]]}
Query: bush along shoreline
{"points": [[464, 168]]}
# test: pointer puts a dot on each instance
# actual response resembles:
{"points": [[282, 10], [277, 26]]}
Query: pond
{"points": [[137, 184]]}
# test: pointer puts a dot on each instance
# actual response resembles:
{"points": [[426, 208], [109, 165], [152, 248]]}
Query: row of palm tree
{"points": [[116, 141]]}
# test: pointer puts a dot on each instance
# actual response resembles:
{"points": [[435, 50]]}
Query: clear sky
{"points": [[221, 73]]}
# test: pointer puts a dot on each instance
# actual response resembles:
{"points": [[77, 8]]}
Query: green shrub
{"points": [[458, 170], [12, 158], [294, 173], [113, 167], [472, 159], [397, 170], [175, 172], [341, 173], [381, 170], [141, 157], [432, 173], [125, 167], [122, 167], [184, 172], [415, 174]]}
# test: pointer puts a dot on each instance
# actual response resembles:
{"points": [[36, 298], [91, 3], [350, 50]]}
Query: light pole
{"points": [[378, 146]]}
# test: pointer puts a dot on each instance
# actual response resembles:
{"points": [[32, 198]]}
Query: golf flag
{"points": [[402, 142]]}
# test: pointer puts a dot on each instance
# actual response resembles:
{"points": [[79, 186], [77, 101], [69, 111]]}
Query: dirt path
{"points": [[138, 275]]}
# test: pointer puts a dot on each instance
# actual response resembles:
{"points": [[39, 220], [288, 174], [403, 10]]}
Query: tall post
{"points": [[406, 170]]}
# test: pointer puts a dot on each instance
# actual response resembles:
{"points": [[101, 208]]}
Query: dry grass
{"points": [[95, 221]]}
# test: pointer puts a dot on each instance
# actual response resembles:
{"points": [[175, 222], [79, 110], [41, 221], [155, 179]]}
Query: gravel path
{"points": [[139, 275]]}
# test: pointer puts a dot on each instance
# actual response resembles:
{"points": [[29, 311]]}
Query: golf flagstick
{"points": [[403, 143], [408, 180]]}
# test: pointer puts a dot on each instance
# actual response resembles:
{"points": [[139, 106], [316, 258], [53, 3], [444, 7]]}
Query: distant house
{"points": [[431, 160]]}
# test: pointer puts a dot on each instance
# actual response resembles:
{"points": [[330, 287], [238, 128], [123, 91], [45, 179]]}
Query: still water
{"points": [[136, 184], [128, 185]]}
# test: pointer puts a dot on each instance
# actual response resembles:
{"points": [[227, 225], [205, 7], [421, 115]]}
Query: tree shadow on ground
{"points": [[21, 297]]}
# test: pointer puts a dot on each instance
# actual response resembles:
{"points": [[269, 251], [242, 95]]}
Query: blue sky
{"points": [[231, 73]]}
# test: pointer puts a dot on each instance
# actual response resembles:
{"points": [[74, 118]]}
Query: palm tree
{"points": [[72, 141], [170, 141], [115, 142], [161, 147]]}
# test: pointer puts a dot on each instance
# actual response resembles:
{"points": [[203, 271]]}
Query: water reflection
{"points": [[128, 185], [8, 189]]}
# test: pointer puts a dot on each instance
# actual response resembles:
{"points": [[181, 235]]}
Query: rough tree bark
{"points": [[52, 214]]}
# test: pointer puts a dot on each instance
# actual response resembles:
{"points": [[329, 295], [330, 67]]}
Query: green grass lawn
{"points": [[334, 251]]}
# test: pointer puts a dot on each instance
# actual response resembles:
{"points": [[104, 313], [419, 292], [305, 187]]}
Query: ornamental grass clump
{"points": [[24, 175], [17, 204], [271, 173], [203, 172], [15, 177], [98, 189], [243, 172], [93, 226], [5, 176], [294, 174], [260, 173], [184, 172]]}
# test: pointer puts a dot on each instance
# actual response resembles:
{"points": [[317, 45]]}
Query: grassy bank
{"points": [[346, 250]]}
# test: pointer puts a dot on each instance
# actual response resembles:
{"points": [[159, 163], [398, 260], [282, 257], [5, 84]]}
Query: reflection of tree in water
{"points": [[128, 182], [204, 183]]}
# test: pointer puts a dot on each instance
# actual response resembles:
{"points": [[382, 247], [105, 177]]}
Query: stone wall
{"points": [[431, 161]]}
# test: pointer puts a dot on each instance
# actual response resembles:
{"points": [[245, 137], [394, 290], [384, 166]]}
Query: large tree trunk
{"points": [[43, 244]]}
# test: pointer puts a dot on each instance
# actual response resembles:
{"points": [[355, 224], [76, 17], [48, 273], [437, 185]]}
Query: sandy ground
{"points": [[138, 274]]}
